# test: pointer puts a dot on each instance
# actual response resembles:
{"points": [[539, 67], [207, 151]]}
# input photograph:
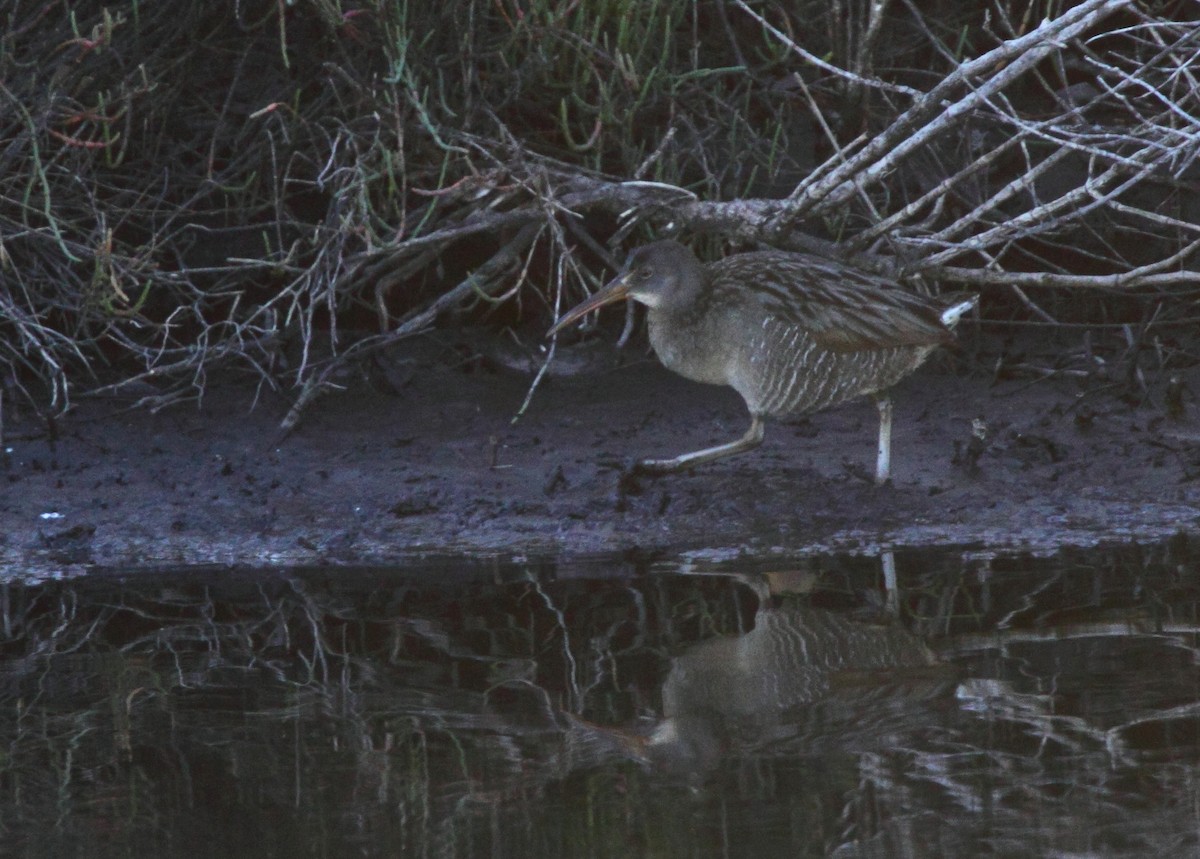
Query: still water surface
{"points": [[961, 703]]}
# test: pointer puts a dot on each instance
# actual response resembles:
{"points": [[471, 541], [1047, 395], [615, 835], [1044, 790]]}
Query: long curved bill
{"points": [[614, 291]]}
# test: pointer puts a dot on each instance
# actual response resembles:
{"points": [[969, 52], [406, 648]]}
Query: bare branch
{"points": [[858, 79], [934, 112]]}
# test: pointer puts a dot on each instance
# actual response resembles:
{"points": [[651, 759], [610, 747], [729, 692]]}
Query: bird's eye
{"points": [[642, 274]]}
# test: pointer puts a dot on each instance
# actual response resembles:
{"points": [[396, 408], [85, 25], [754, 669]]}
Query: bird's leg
{"points": [[883, 464], [752, 439]]}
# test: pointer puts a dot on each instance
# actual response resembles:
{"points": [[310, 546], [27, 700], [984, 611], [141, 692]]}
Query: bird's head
{"points": [[662, 275]]}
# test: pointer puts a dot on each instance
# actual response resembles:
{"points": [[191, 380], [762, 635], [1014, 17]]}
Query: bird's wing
{"points": [[842, 308]]}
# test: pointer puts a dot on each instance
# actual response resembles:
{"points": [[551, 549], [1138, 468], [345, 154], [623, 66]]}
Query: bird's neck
{"points": [[688, 303], [686, 336]]}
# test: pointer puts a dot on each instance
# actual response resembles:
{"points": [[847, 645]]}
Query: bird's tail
{"points": [[958, 308]]}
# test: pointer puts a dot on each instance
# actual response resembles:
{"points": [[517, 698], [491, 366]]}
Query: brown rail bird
{"points": [[792, 333]]}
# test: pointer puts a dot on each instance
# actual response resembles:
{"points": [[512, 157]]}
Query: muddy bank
{"points": [[420, 455]]}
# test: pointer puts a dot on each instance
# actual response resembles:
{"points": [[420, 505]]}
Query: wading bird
{"points": [[792, 333]]}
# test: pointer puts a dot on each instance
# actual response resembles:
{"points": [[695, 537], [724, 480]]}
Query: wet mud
{"points": [[419, 455]]}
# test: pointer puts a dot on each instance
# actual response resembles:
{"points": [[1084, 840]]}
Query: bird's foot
{"points": [[860, 472], [656, 467], [628, 484], [630, 487], [627, 481]]}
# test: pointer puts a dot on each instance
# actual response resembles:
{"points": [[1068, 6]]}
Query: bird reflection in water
{"points": [[803, 680]]}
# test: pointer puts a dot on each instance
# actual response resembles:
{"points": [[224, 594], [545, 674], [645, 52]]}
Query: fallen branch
{"points": [[936, 112], [486, 279]]}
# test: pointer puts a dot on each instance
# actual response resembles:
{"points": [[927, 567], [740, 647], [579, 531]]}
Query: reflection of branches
{"points": [[442, 702], [424, 711]]}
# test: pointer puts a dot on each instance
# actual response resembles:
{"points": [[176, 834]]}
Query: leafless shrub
{"points": [[186, 188]]}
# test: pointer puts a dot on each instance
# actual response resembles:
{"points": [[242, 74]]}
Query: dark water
{"points": [[968, 704]]}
